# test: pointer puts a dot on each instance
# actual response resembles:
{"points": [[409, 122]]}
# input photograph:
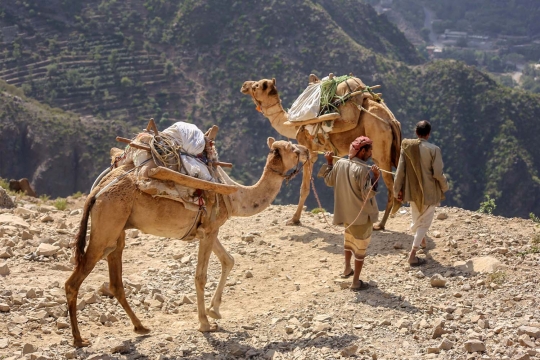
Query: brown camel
{"points": [[378, 123], [22, 185], [122, 206]]}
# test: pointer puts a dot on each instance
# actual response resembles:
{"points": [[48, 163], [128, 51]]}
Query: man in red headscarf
{"points": [[355, 206]]}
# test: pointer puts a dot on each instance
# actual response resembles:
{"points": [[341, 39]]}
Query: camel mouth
{"points": [[303, 153], [246, 87]]}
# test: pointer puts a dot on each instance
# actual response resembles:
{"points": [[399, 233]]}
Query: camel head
{"points": [[285, 156], [263, 92]]}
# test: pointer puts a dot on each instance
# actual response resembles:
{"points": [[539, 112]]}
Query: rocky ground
{"points": [[477, 298]]}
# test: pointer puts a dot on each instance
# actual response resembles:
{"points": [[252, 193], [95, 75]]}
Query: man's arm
{"points": [[400, 177], [330, 174], [366, 185], [438, 170]]}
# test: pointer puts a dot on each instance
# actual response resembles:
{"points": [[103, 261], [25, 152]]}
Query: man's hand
{"points": [[329, 155], [375, 170], [400, 196]]}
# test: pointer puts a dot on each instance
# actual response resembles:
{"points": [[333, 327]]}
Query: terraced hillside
{"points": [[79, 59], [58, 151]]}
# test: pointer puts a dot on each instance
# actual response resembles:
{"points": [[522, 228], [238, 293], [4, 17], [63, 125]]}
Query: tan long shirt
{"points": [[434, 182], [352, 185]]}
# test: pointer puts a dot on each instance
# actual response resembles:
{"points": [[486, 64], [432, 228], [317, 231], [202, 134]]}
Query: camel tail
{"points": [[396, 141], [81, 235]]}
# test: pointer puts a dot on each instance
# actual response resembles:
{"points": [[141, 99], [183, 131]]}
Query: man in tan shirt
{"points": [[421, 182], [355, 206]]}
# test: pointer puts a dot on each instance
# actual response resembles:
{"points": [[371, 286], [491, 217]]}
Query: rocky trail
{"points": [[477, 297]]}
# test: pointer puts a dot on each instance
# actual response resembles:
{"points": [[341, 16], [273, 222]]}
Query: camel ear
{"points": [[270, 142], [274, 81]]}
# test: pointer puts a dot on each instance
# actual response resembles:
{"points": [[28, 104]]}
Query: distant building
{"points": [[433, 51], [454, 35]]}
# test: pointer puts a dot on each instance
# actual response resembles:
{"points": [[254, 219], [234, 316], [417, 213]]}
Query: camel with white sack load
{"points": [[328, 116], [125, 197]]}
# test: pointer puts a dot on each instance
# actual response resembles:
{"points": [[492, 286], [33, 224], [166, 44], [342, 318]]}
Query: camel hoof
{"points": [[213, 314], [141, 330], [208, 328], [293, 222], [81, 343], [378, 227]]}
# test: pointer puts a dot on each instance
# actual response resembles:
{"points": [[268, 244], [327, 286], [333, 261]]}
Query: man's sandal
{"points": [[343, 276], [363, 286], [419, 262]]}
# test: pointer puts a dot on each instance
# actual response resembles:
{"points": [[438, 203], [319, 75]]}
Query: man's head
{"points": [[361, 148], [423, 129]]}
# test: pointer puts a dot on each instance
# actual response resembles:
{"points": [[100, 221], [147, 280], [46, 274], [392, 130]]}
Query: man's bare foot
{"points": [[208, 328]]}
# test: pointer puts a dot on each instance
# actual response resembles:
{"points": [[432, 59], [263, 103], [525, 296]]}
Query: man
{"points": [[420, 181], [355, 206]]}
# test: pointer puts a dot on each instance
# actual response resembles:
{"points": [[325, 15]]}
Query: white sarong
{"points": [[421, 221]]}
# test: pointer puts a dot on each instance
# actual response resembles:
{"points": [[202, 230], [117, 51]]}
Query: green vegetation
{"points": [[77, 195], [318, 210], [44, 197], [4, 183], [60, 204], [487, 206], [498, 277]]}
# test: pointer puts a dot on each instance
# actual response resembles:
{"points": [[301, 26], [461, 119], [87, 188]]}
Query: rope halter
{"points": [[299, 164]]}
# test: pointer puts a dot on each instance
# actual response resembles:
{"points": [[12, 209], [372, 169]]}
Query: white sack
{"points": [[307, 105], [196, 168], [188, 136]]}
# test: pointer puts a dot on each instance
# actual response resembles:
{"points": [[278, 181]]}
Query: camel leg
{"points": [[116, 285], [304, 189], [389, 182], [227, 263], [203, 258], [85, 267]]}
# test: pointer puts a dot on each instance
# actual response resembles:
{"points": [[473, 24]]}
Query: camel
{"points": [[378, 123], [122, 206]]}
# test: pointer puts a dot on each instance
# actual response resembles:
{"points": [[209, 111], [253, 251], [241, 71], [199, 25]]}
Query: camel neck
{"points": [[251, 200], [277, 116]]}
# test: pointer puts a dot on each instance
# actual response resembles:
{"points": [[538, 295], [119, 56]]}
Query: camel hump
{"points": [[115, 152], [313, 79]]}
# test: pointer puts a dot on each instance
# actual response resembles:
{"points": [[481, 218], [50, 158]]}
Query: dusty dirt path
{"points": [[283, 299]]}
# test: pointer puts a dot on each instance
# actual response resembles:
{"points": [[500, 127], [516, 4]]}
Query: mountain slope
{"points": [[59, 152], [204, 50]]}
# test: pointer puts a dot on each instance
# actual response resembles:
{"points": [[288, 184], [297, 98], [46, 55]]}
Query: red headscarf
{"points": [[357, 144]]}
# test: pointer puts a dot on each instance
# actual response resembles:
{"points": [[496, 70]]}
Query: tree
{"points": [[126, 82]]}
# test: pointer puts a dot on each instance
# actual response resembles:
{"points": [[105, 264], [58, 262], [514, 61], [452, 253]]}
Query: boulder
{"points": [[474, 346], [437, 280], [483, 264], [13, 220], [47, 249], [5, 200]]}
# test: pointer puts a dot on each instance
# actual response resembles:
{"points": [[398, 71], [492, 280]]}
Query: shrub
{"points": [[126, 82], [44, 197], [4, 183], [487, 206], [497, 277], [77, 195], [318, 210], [60, 204]]}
